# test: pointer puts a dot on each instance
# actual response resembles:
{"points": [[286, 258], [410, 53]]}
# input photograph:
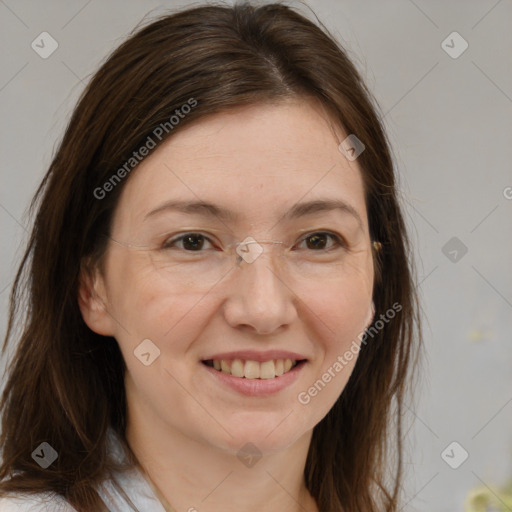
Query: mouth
{"points": [[251, 369]]}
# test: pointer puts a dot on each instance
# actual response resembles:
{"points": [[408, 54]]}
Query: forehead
{"points": [[255, 160]]}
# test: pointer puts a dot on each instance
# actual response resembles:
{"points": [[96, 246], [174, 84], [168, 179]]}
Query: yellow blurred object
{"points": [[484, 499], [480, 335]]}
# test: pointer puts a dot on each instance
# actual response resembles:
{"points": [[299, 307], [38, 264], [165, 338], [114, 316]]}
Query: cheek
{"points": [[343, 324], [338, 318], [148, 307], [338, 315], [146, 302], [340, 306]]}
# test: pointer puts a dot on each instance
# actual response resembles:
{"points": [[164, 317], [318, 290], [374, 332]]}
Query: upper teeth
{"points": [[254, 369]]}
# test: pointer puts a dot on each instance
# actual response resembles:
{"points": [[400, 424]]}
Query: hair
{"points": [[65, 383]]}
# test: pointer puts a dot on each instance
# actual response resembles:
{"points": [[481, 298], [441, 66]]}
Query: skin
{"points": [[184, 427]]}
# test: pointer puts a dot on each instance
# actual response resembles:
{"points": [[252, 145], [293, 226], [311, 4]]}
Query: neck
{"points": [[191, 475]]}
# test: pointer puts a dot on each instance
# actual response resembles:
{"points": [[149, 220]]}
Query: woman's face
{"points": [[273, 173]]}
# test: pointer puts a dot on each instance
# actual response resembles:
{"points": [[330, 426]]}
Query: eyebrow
{"points": [[206, 209]]}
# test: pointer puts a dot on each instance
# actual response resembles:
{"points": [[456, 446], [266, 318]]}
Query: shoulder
{"points": [[123, 491], [43, 502]]}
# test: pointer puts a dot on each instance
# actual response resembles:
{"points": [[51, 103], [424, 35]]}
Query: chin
{"points": [[267, 432]]}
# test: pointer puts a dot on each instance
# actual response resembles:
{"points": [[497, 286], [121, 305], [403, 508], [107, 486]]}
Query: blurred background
{"points": [[441, 74]]}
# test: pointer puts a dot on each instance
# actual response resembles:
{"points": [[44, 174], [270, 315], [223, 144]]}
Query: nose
{"points": [[259, 299]]}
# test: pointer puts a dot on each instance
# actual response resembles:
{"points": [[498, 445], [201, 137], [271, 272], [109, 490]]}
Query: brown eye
{"points": [[317, 241], [321, 241], [191, 242]]}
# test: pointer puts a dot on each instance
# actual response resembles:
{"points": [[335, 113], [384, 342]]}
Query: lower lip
{"points": [[256, 387]]}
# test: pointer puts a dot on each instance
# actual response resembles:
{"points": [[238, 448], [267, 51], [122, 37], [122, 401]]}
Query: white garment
{"points": [[139, 495]]}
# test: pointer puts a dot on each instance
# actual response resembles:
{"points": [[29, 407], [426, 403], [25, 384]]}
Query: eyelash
{"points": [[337, 239]]}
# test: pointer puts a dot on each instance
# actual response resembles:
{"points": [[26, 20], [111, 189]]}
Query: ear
{"points": [[92, 301]]}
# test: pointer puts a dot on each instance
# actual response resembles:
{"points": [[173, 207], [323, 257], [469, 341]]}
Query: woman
{"points": [[221, 313]]}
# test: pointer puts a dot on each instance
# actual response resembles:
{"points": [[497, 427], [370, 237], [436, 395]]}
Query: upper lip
{"points": [[255, 355]]}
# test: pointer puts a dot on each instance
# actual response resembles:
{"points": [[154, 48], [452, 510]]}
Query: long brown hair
{"points": [[66, 383]]}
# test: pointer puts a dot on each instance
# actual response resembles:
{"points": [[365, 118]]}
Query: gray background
{"points": [[450, 123]]}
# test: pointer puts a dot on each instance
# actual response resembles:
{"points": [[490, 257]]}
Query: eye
{"points": [[192, 242], [322, 241]]}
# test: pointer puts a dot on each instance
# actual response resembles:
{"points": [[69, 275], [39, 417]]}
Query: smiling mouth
{"points": [[253, 369]]}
